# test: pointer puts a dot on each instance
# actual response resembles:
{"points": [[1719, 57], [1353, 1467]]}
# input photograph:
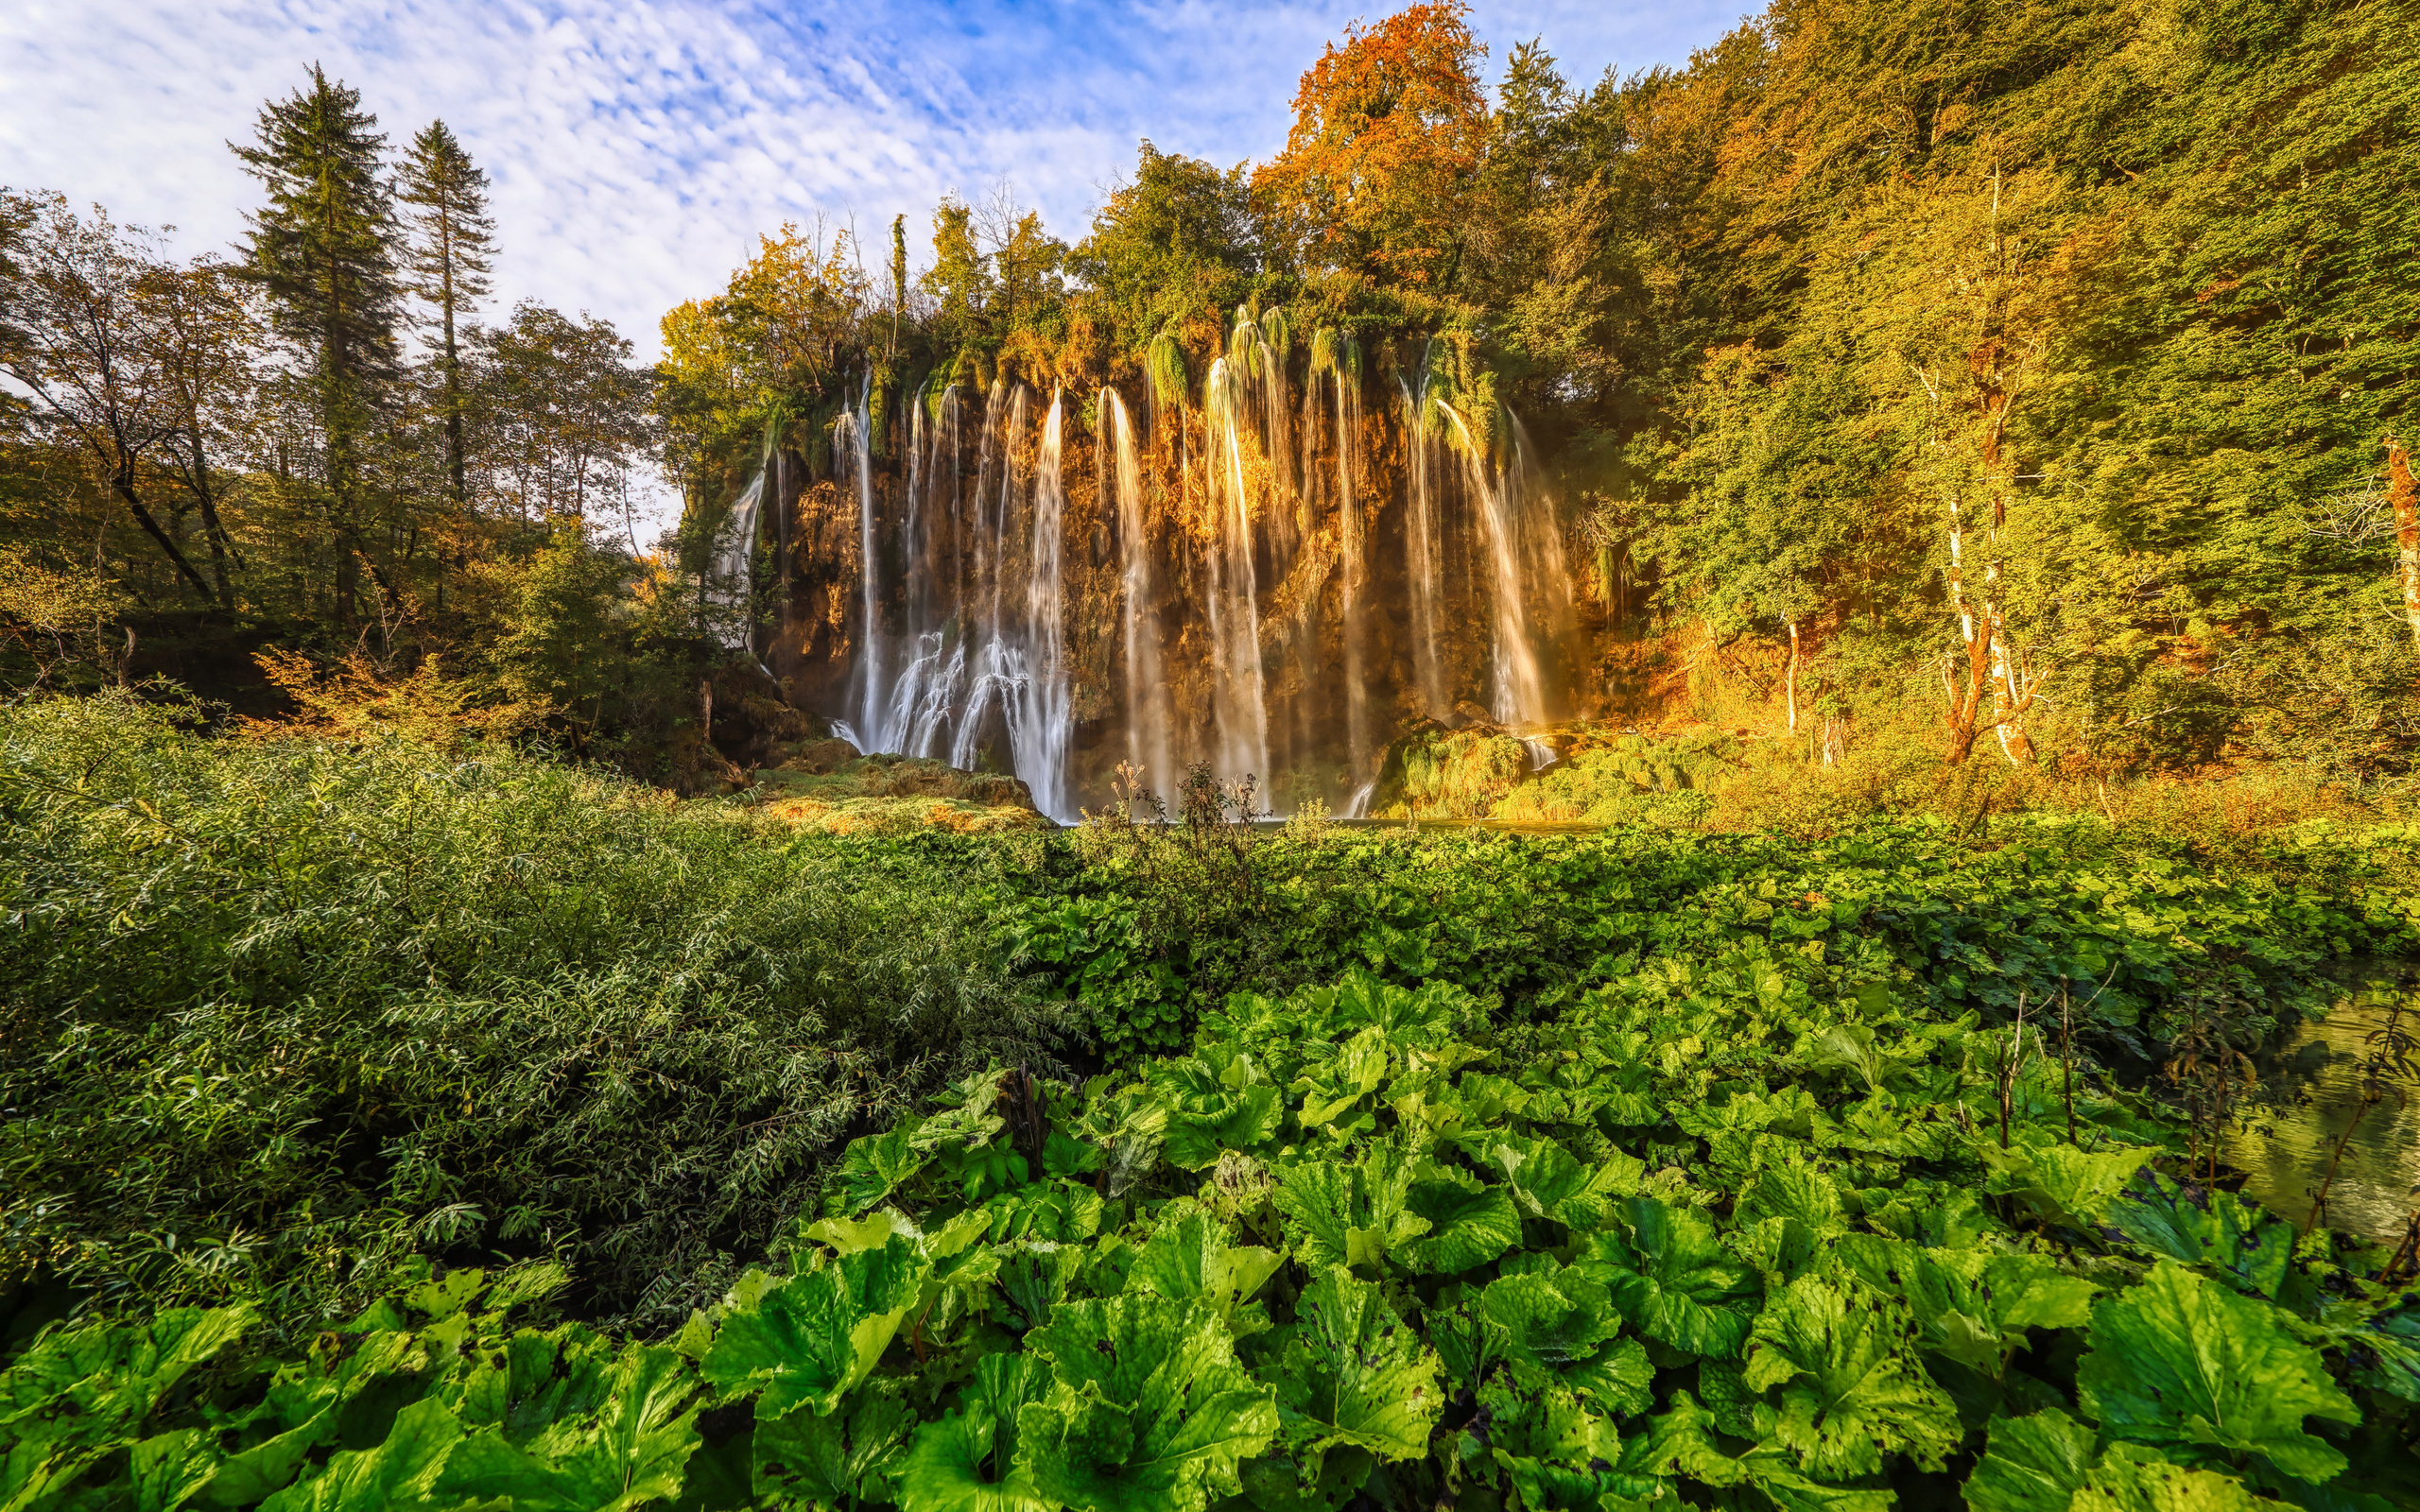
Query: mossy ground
{"points": [[826, 786]]}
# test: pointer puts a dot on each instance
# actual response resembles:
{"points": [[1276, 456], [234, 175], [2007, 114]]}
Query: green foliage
{"points": [[1653, 1166], [1811, 1316], [1176, 237], [1149, 934], [2184, 1362], [283, 1016]]}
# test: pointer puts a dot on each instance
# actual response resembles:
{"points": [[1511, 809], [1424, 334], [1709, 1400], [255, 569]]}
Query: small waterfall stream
{"points": [[1149, 721]]}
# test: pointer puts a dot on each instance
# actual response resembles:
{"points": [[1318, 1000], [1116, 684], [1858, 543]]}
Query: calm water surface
{"points": [[2321, 1065]]}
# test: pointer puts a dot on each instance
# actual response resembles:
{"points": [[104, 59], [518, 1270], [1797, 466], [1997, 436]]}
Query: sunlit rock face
{"points": [[1274, 564]]}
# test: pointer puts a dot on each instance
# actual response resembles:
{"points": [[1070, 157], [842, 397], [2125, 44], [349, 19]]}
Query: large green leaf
{"points": [[1552, 1451], [1189, 1256], [1352, 1373], [170, 1469], [1036, 1274], [629, 1450], [815, 1335], [2031, 1463], [1339, 1214], [2061, 1182], [1062, 1213], [1325, 1482], [1149, 1412], [2129, 1479], [300, 1413], [2245, 1247], [397, 1474], [1470, 1222], [1550, 1322], [1214, 1105], [534, 1381], [1546, 1182], [2186, 1364], [873, 1168], [74, 1397], [1970, 1306], [969, 1459], [1849, 1396], [1672, 1277], [1332, 1089], [832, 1458], [1678, 1442]]}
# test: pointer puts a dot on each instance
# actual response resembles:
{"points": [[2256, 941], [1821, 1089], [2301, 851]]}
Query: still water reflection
{"points": [[2320, 1067]]}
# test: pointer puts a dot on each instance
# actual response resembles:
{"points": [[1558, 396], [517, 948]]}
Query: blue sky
{"points": [[637, 146]]}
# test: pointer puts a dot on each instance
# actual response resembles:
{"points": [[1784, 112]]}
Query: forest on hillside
{"points": [[2037, 375]]}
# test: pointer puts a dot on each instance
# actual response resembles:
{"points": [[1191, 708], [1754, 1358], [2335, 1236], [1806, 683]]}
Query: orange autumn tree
{"points": [[1389, 127]]}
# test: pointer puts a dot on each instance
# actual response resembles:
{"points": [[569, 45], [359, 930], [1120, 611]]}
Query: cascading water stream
{"points": [[1150, 721], [852, 437], [1346, 376], [1241, 692], [1518, 690], [730, 579], [1425, 561]]}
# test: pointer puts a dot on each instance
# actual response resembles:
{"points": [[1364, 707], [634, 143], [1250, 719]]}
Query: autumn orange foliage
{"points": [[1389, 127]]}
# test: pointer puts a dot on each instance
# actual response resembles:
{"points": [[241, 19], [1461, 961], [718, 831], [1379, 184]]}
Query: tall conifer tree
{"points": [[323, 251], [453, 249]]}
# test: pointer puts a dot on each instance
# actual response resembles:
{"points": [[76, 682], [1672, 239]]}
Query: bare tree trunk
{"points": [[2008, 701], [1793, 694], [1965, 703], [220, 547], [124, 487], [2404, 494]]}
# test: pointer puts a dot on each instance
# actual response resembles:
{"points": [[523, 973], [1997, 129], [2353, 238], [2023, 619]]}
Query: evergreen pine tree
{"points": [[898, 278], [323, 251], [452, 250]]}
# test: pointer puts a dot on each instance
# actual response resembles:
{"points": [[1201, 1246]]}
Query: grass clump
{"points": [[282, 1015]]}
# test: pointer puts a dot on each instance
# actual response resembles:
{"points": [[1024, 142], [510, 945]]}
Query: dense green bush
{"points": [[281, 1013], [1155, 928], [1760, 1245]]}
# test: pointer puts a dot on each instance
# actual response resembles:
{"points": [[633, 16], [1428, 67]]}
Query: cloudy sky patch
{"points": [[637, 147]]}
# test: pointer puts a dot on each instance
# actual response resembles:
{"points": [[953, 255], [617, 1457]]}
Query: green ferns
{"points": [[1667, 1250]]}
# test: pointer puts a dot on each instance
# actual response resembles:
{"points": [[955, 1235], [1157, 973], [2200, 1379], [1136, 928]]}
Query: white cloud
{"points": [[637, 147]]}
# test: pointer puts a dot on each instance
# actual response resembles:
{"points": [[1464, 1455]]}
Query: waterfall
{"points": [[1425, 563], [853, 430], [1544, 562], [1517, 688], [1350, 526], [984, 624], [1149, 719], [730, 576], [1041, 755], [981, 642], [1240, 701]]}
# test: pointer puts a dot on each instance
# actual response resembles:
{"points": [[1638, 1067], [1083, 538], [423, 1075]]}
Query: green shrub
{"points": [[1746, 1241], [281, 1014]]}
